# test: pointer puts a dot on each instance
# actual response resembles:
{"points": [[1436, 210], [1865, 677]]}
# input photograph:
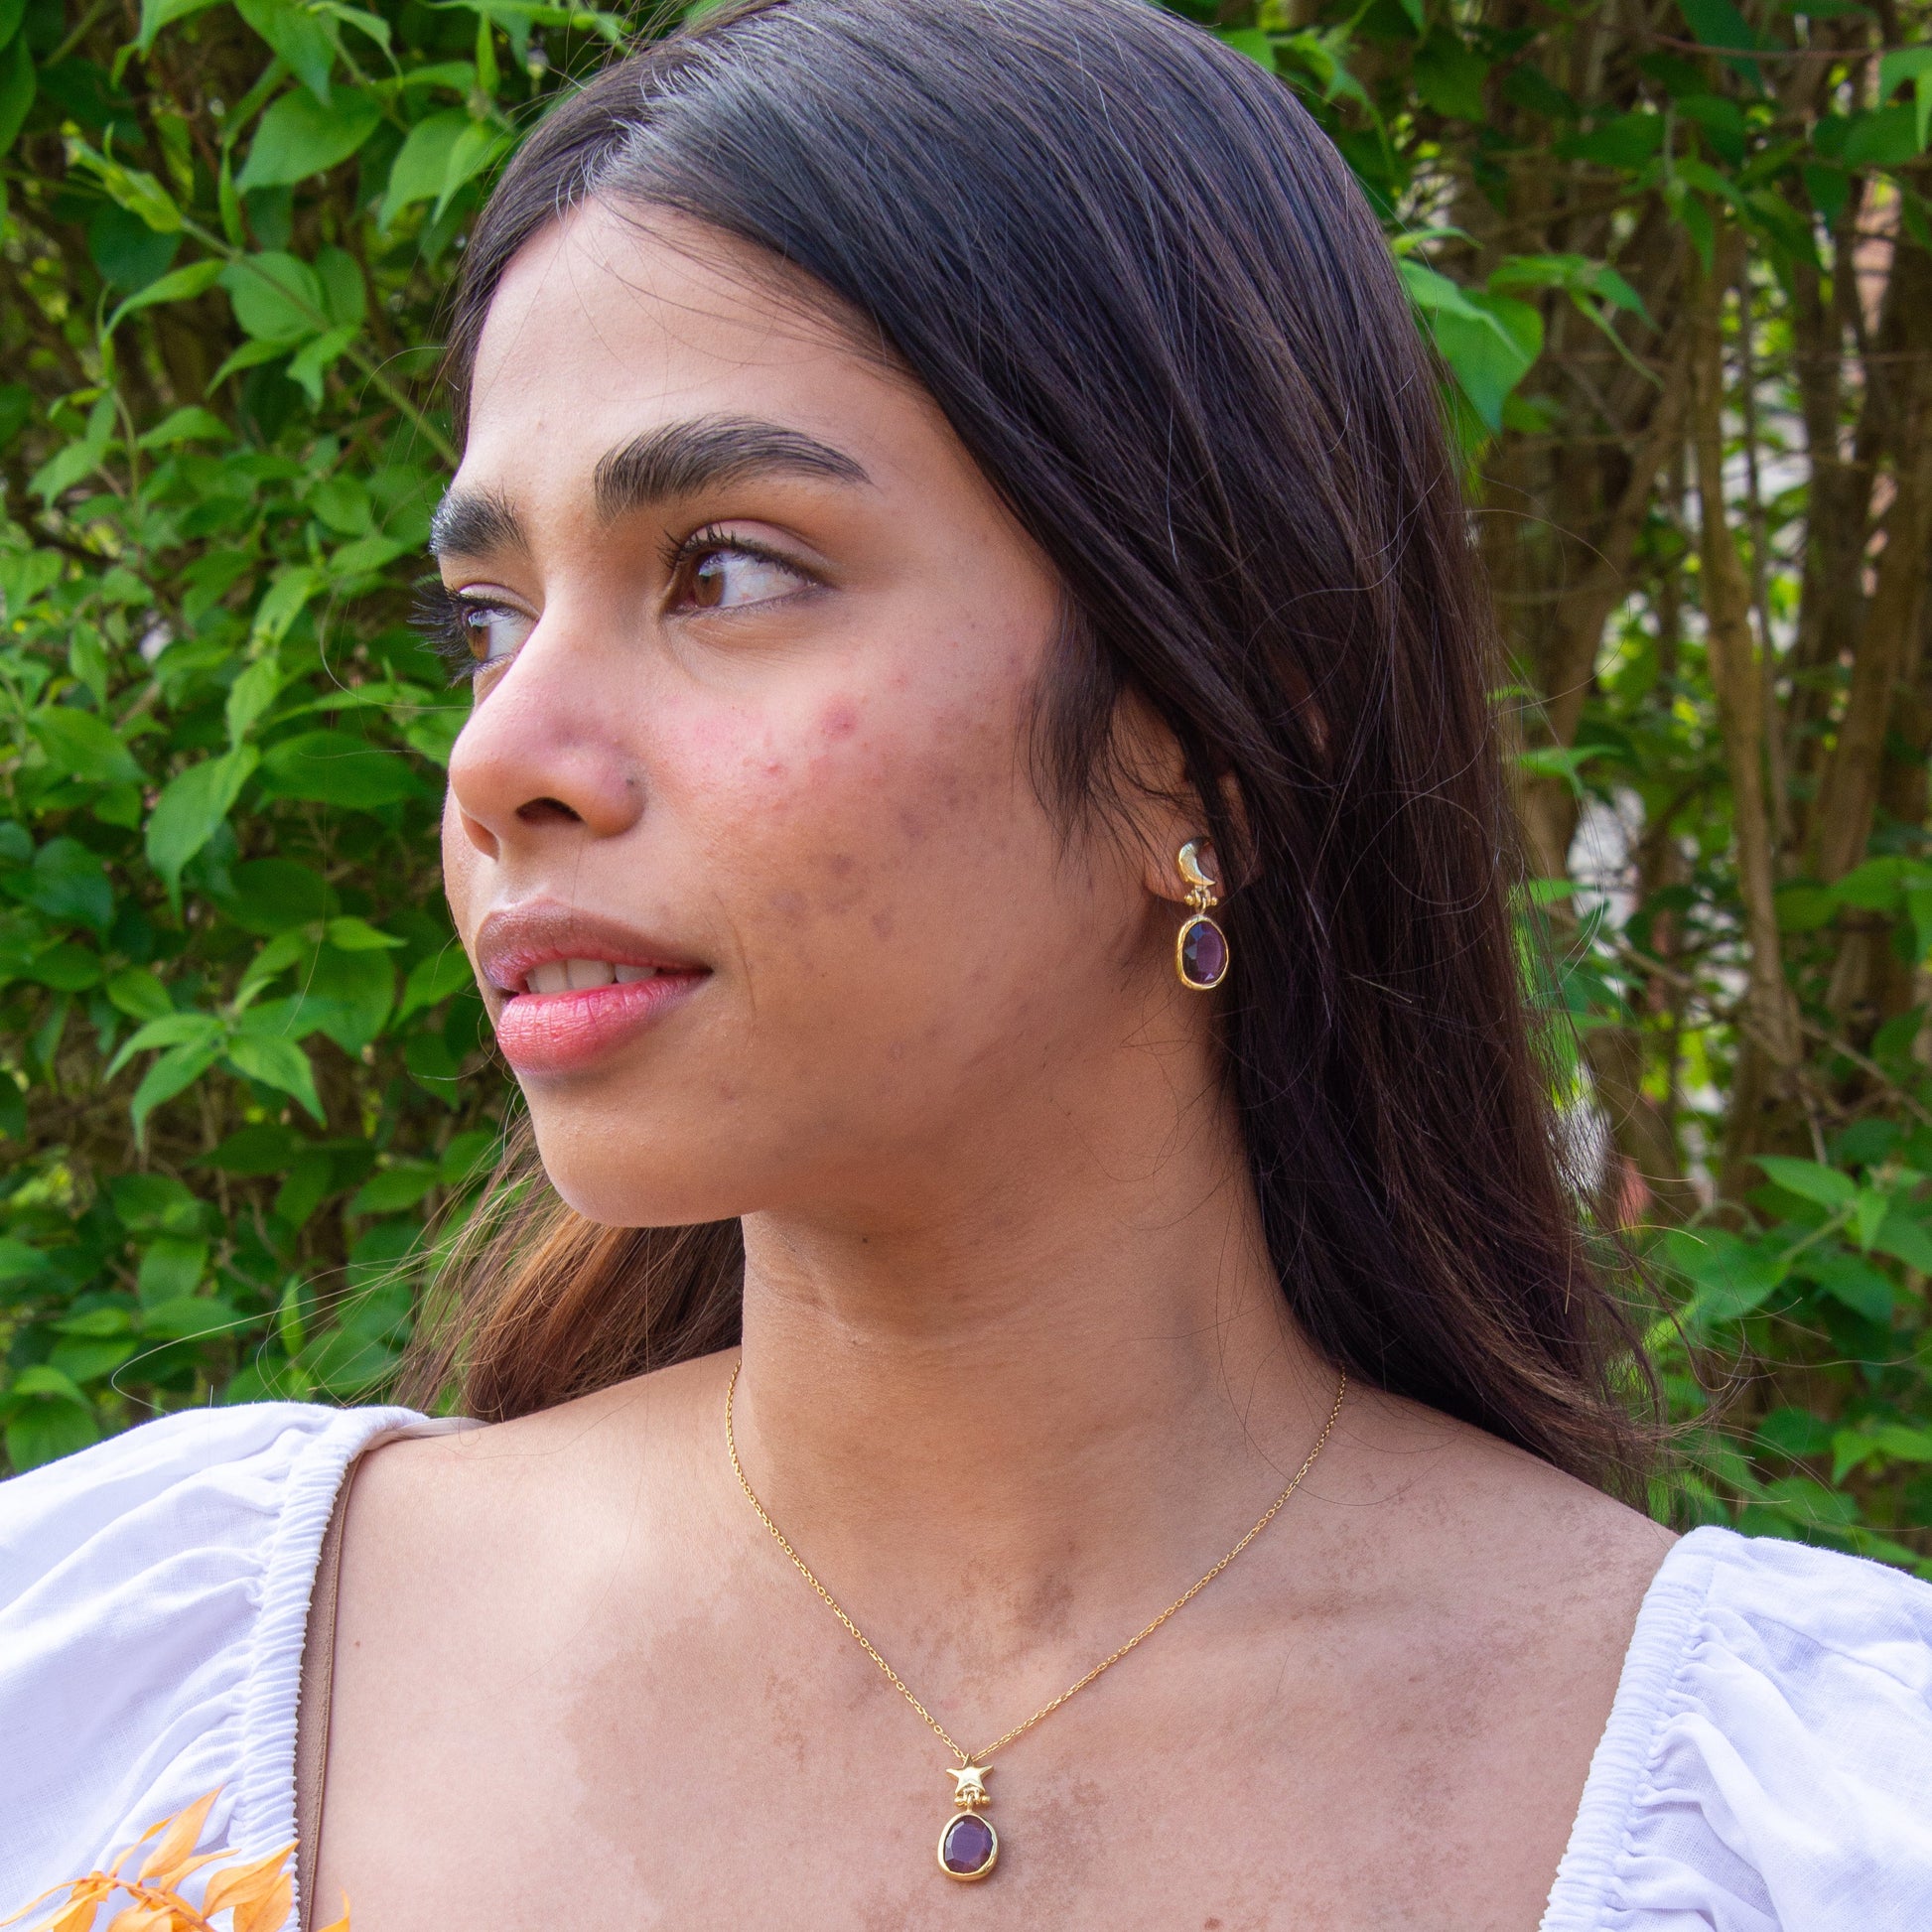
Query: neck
{"points": [[1045, 1413]]}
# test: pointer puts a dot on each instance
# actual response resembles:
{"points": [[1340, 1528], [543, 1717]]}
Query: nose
{"points": [[543, 758]]}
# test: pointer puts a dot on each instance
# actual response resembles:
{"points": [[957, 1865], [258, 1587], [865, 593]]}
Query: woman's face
{"points": [[741, 835]]}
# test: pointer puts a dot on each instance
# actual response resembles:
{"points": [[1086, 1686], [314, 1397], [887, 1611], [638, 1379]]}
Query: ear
{"points": [[1166, 809]]}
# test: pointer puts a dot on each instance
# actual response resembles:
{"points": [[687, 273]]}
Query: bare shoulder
{"points": [[1469, 1521], [530, 1489]]}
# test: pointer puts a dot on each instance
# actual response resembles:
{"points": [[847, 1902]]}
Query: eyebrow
{"points": [[681, 458], [475, 523], [675, 461]]}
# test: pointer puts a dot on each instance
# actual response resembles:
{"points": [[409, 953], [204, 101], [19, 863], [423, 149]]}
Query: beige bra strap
{"points": [[312, 1707]]}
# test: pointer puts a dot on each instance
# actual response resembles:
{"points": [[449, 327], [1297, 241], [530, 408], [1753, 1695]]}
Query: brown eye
{"points": [[493, 631], [726, 577]]}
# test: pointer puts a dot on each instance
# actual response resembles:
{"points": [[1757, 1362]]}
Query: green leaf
{"points": [[273, 895], [284, 601], [136, 992], [394, 1188], [358, 935], [86, 1359], [43, 1422], [46, 1381], [1904, 1236], [344, 298], [302, 41], [1809, 1181], [1804, 908], [130, 188], [334, 767], [1855, 1284], [1904, 64], [1884, 137], [1874, 1205], [274, 958], [83, 745], [277, 1063], [19, 1262], [1250, 41], [312, 364], [422, 162], [167, 1029], [352, 993], [467, 1158], [178, 285], [157, 14], [1488, 340], [186, 1318], [250, 695], [70, 885], [1795, 1433], [277, 298], [1733, 1276], [175, 1069], [1874, 886], [172, 1266], [250, 356], [16, 406], [195, 802], [431, 981], [268, 1148], [1629, 142], [67, 969], [299, 136], [192, 424], [1450, 75], [1718, 24], [18, 85]]}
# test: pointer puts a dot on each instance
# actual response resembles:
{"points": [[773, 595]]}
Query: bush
{"points": [[1680, 282]]}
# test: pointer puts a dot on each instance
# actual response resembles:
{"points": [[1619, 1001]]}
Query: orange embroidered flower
{"points": [[258, 1895]]}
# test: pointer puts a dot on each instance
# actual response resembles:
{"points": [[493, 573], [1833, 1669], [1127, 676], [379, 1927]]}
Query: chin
{"points": [[606, 1174]]}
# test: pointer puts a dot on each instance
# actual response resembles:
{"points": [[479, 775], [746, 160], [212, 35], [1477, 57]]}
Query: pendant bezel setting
{"points": [[951, 1825]]}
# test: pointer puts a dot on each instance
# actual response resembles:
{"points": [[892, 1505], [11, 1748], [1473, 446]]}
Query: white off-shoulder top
{"points": [[1768, 1765]]}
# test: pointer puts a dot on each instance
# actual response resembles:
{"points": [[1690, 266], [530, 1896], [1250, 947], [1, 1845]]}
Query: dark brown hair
{"points": [[1159, 314]]}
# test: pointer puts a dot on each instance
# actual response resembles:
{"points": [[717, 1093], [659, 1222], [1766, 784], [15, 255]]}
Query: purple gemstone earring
{"points": [[1200, 947]]}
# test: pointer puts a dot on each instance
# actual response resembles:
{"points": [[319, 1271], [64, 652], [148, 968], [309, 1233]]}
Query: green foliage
{"points": [[237, 1029], [237, 1040]]}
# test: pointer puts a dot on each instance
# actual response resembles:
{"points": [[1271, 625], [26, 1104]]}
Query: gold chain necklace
{"points": [[969, 1847]]}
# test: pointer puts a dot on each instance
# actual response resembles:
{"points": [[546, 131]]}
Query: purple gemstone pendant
{"points": [[969, 1848], [1200, 954]]}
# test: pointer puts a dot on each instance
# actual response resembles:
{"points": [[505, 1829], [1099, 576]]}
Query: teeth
{"points": [[581, 975]]}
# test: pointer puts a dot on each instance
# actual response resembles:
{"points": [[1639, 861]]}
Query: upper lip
{"points": [[513, 940]]}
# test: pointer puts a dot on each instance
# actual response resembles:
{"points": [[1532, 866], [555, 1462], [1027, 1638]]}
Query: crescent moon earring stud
{"points": [[1200, 947]]}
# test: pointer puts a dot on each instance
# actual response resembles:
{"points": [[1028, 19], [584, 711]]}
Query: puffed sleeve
{"points": [[1768, 1763], [154, 1597]]}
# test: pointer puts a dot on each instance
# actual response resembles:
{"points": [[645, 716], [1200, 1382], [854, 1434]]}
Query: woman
{"points": [[981, 836]]}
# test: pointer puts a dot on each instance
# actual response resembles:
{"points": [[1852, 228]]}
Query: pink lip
{"points": [[562, 1032]]}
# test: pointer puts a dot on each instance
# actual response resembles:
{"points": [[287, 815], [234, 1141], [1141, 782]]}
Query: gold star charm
{"points": [[969, 1787]]}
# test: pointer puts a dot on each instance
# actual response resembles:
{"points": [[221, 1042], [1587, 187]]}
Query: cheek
{"points": [[855, 814], [460, 865]]}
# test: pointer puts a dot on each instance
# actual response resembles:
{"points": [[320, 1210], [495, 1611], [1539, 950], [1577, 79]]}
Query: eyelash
{"points": [[687, 550], [438, 612], [436, 617]]}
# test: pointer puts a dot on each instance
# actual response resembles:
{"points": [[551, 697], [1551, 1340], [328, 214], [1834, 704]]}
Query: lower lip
{"points": [[563, 1032]]}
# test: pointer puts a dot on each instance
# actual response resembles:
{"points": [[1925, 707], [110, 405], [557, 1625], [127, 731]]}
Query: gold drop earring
{"points": [[1200, 947]]}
